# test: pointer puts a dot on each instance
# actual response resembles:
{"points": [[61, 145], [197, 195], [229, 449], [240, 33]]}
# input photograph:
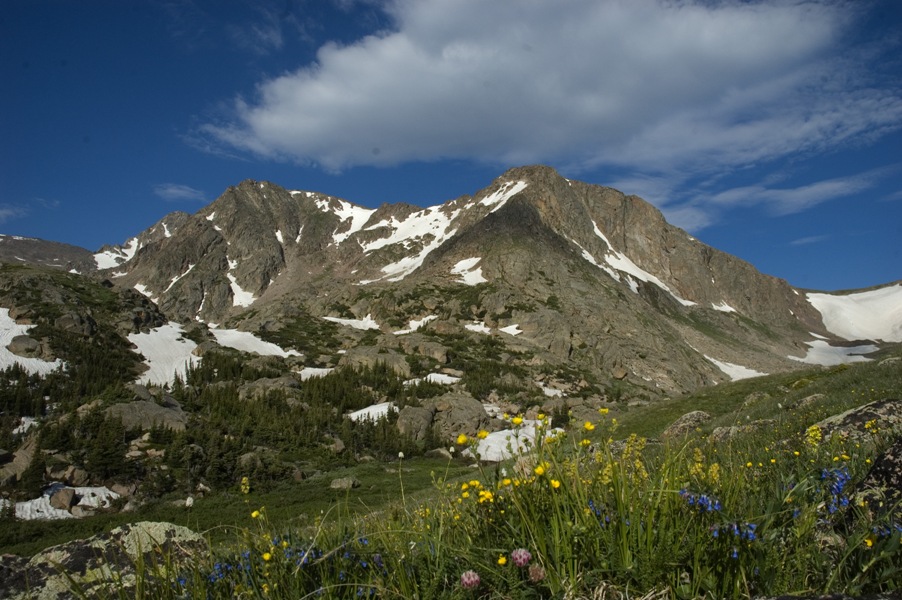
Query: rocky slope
{"points": [[590, 276]]}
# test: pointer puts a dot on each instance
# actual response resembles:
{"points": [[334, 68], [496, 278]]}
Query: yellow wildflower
{"points": [[603, 411], [588, 426], [555, 483], [267, 556], [461, 439], [255, 514], [482, 434], [518, 420], [502, 560]]}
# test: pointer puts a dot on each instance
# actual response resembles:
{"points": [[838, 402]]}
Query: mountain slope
{"points": [[588, 276]]}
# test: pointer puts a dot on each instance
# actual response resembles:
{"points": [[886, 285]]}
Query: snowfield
{"points": [[248, 342], [166, 352], [10, 329], [468, 272], [735, 372], [874, 315], [39, 508], [365, 323], [822, 353]]}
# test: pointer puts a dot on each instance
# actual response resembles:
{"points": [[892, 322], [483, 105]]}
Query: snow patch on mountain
{"points": [[372, 413], [468, 274], [365, 323], [723, 307], [822, 353], [478, 327], [177, 277], [240, 297], [142, 289], [873, 315], [248, 342], [429, 228], [10, 329], [621, 262], [499, 198], [114, 257], [40, 509], [441, 378], [358, 217], [511, 329], [416, 324], [308, 372], [735, 372], [166, 352]]}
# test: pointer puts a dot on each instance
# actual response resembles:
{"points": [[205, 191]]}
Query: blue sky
{"points": [[769, 129]]}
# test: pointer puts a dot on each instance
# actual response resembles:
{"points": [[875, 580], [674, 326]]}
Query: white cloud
{"points": [[648, 85], [811, 239], [176, 192], [8, 212]]}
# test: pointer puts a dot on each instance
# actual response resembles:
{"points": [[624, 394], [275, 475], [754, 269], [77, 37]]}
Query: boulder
{"points": [[12, 471], [686, 424], [369, 356], [883, 483], [886, 414], [415, 421], [63, 499], [100, 566], [145, 415], [25, 346], [344, 483], [257, 390], [76, 476], [457, 413]]}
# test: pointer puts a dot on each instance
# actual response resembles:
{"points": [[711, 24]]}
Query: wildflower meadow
{"points": [[583, 514]]}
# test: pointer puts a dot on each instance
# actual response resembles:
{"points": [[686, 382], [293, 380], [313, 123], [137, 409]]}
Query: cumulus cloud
{"points": [[176, 192], [644, 85]]}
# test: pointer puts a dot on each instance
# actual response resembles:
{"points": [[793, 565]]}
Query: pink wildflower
{"points": [[469, 580], [521, 557]]}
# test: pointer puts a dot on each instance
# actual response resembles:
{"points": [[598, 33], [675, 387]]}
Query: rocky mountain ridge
{"points": [[563, 273]]}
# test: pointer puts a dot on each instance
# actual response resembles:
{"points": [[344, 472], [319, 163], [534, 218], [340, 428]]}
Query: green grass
{"points": [[580, 519], [770, 512]]}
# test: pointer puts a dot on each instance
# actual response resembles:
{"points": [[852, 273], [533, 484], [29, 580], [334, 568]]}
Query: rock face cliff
{"points": [[561, 270]]}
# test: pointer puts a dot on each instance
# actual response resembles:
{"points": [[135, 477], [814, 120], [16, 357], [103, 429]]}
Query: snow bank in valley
{"points": [[366, 322], [874, 315], [40, 509], [248, 342], [10, 329], [372, 413], [308, 372], [166, 352], [822, 353], [735, 372]]}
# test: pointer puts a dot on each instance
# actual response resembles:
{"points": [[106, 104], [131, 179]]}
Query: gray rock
{"points": [[100, 566], [415, 421], [883, 483], [76, 476], [686, 424], [80, 512], [886, 415], [63, 499], [344, 483], [12, 471], [457, 413], [257, 390], [25, 346], [369, 356], [145, 415]]}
